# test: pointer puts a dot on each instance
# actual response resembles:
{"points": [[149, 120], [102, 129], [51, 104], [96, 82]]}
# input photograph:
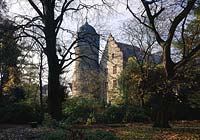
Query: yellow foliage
{"points": [[10, 81], [1, 45]]}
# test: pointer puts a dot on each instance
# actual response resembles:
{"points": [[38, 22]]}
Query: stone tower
{"points": [[86, 75]]}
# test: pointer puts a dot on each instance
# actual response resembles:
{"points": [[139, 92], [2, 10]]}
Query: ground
{"points": [[182, 130], [179, 131], [19, 132]]}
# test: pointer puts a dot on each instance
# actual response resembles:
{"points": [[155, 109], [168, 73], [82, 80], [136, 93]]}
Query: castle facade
{"points": [[99, 78]]}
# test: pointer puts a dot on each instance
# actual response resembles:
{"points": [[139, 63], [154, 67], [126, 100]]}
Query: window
{"points": [[114, 83], [106, 85], [106, 70], [114, 69], [113, 56]]}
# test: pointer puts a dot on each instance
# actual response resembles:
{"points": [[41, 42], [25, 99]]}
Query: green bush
{"points": [[88, 111], [19, 113], [91, 119], [135, 114], [81, 110], [49, 122], [58, 134], [113, 114]]}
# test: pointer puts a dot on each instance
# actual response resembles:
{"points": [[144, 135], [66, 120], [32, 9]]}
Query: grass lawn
{"points": [[181, 130]]}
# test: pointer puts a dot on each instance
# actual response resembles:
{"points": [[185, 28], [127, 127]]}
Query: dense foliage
{"points": [[88, 111], [82, 110], [19, 113], [9, 53], [175, 96]]}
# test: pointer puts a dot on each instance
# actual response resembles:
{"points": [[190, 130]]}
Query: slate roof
{"points": [[86, 28], [129, 51]]}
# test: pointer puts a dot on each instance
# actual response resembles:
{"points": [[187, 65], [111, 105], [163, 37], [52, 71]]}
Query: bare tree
{"points": [[165, 43], [40, 82], [142, 38], [49, 25], [151, 14], [143, 42]]}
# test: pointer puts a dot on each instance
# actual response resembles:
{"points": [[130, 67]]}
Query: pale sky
{"points": [[108, 22], [111, 22]]}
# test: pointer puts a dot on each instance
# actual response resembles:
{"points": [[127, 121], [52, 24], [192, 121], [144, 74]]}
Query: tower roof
{"points": [[86, 28]]}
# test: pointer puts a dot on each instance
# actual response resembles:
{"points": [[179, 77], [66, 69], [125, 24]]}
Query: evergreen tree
{"points": [[9, 53]]}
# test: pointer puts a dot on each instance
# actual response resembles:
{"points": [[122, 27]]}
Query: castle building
{"points": [[86, 74], [114, 59], [100, 79]]}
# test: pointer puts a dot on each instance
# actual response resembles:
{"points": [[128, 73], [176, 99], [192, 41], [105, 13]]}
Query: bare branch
{"points": [[66, 53], [36, 8], [152, 21], [179, 18], [186, 59], [183, 38], [133, 14], [59, 19]]}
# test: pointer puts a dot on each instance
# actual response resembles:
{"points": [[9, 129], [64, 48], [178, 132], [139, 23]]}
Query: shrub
{"points": [[58, 134], [81, 110], [135, 114], [91, 119], [113, 114], [88, 111], [19, 113], [49, 122]]}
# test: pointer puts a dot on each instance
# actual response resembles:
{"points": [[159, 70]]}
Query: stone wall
{"points": [[112, 65], [86, 83], [86, 75]]}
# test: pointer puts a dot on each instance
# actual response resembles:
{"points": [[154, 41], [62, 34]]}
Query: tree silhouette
{"points": [[44, 29], [152, 11]]}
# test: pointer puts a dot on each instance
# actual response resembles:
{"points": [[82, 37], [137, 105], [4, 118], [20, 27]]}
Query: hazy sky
{"points": [[108, 22]]}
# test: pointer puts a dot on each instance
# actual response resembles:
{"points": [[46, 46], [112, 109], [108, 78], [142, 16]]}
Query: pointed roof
{"points": [[86, 28], [110, 37]]}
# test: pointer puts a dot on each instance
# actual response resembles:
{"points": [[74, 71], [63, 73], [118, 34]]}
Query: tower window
{"points": [[106, 85], [115, 69], [113, 55], [106, 70], [114, 83]]}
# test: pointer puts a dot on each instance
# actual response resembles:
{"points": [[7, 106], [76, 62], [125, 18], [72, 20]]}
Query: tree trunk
{"points": [[142, 99], [41, 89], [167, 61], [161, 111], [54, 101], [1, 86], [1, 94], [161, 119], [162, 114]]}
